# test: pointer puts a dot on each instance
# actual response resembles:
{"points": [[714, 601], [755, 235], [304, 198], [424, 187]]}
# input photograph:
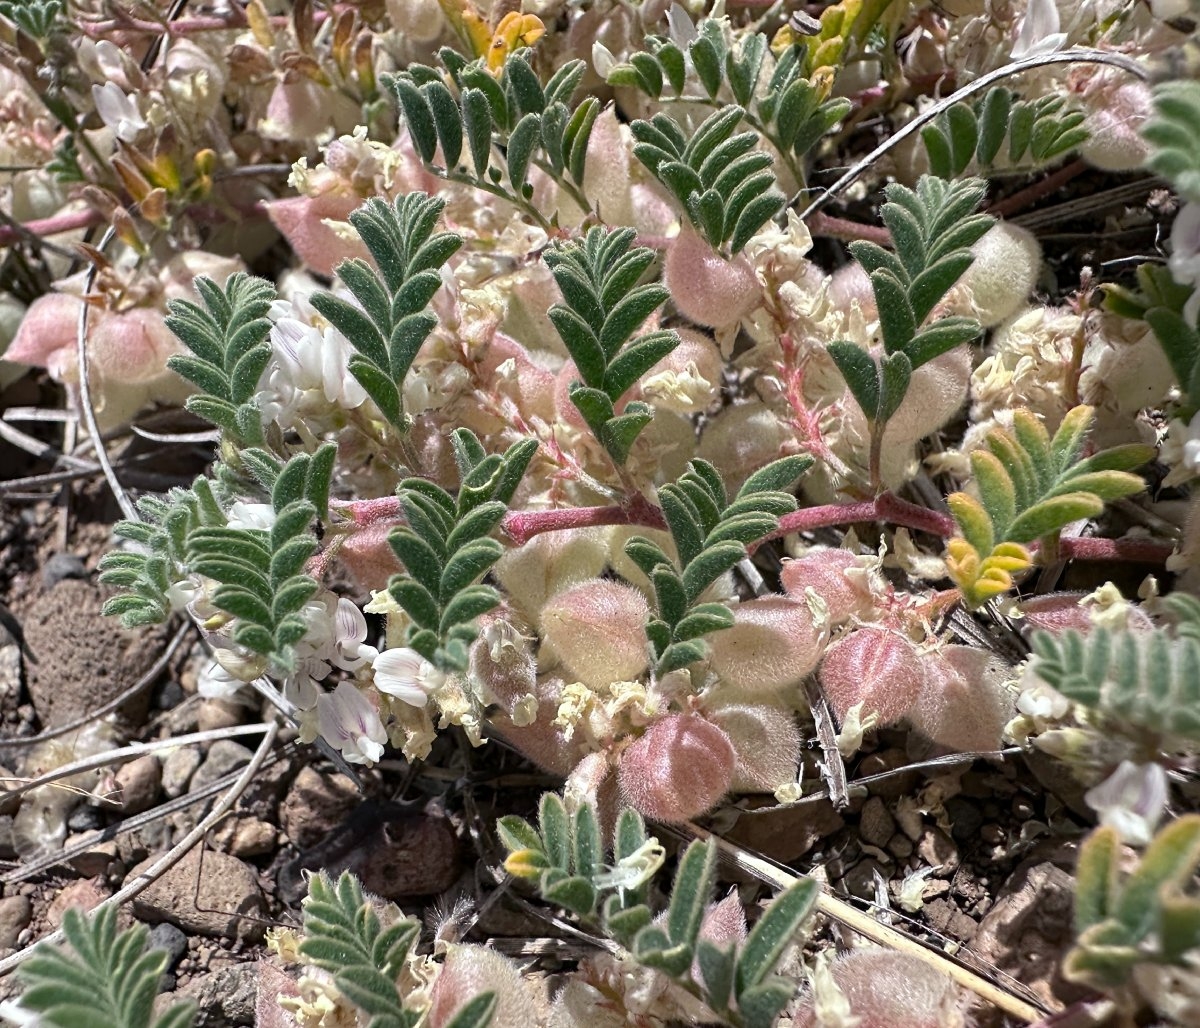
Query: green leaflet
{"points": [[446, 548], [710, 535], [102, 976], [510, 124], [392, 323], [1038, 132], [931, 229], [726, 208], [1030, 486], [564, 858], [605, 306]]}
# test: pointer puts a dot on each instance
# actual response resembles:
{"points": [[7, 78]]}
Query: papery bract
{"points": [[766, 741], [470, 970], [549, 564], [302, 219], [1117, 113], [963, 705], [1007, 261], [824, 572], [886, 989]]}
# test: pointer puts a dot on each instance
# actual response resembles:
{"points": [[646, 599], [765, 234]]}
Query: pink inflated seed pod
{"points": [[705, 287], [598, 632], [876, 667], [678, 769]]}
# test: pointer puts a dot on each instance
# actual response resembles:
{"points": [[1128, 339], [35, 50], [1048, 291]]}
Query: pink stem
{"points": [[521, 526], [842, 228], [9, 234]]}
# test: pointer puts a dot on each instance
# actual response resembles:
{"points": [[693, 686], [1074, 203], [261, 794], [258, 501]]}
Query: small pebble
{"points": [[167, 937], [140, 781], [937, 849], [178, 769], [62, 566], [965, 818], [15, 914], [224, 756], [85, 819], [876, 825]]}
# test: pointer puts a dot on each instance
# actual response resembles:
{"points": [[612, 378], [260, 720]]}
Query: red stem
{"points": [[1139, 551], [885, 507], [1031, 194], [522, 525]]}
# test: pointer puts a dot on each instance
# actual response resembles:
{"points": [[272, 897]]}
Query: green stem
{"points": [[489, 187], [876, 454], [569, 188]]}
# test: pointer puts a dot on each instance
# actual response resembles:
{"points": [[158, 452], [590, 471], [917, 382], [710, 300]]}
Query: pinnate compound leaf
{"points": [[103, 977]]}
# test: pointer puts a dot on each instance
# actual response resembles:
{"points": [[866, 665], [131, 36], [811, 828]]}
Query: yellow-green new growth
{"points": [[1030, 486]]}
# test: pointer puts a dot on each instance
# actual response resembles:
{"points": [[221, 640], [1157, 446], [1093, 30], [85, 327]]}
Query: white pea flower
{"points": [[1191, 448], [215, 682], [603, 59], [348, 721], [308, 369], [1184, 262], [1131, 800], [252, 515], [350, 642], [118, 111], [1039, 30], [403, 673]]}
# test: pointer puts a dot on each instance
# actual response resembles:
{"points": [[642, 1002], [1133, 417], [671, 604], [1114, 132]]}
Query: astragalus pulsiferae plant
{"points": [[561, 432]]}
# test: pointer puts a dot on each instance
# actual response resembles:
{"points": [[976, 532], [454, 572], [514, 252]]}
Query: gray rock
{"points": [[10, 674], [227, 997], [15, 914], [178, 769], [1028, 930], [222, 897], [224, 756], [167, 937], [140, 781]]}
